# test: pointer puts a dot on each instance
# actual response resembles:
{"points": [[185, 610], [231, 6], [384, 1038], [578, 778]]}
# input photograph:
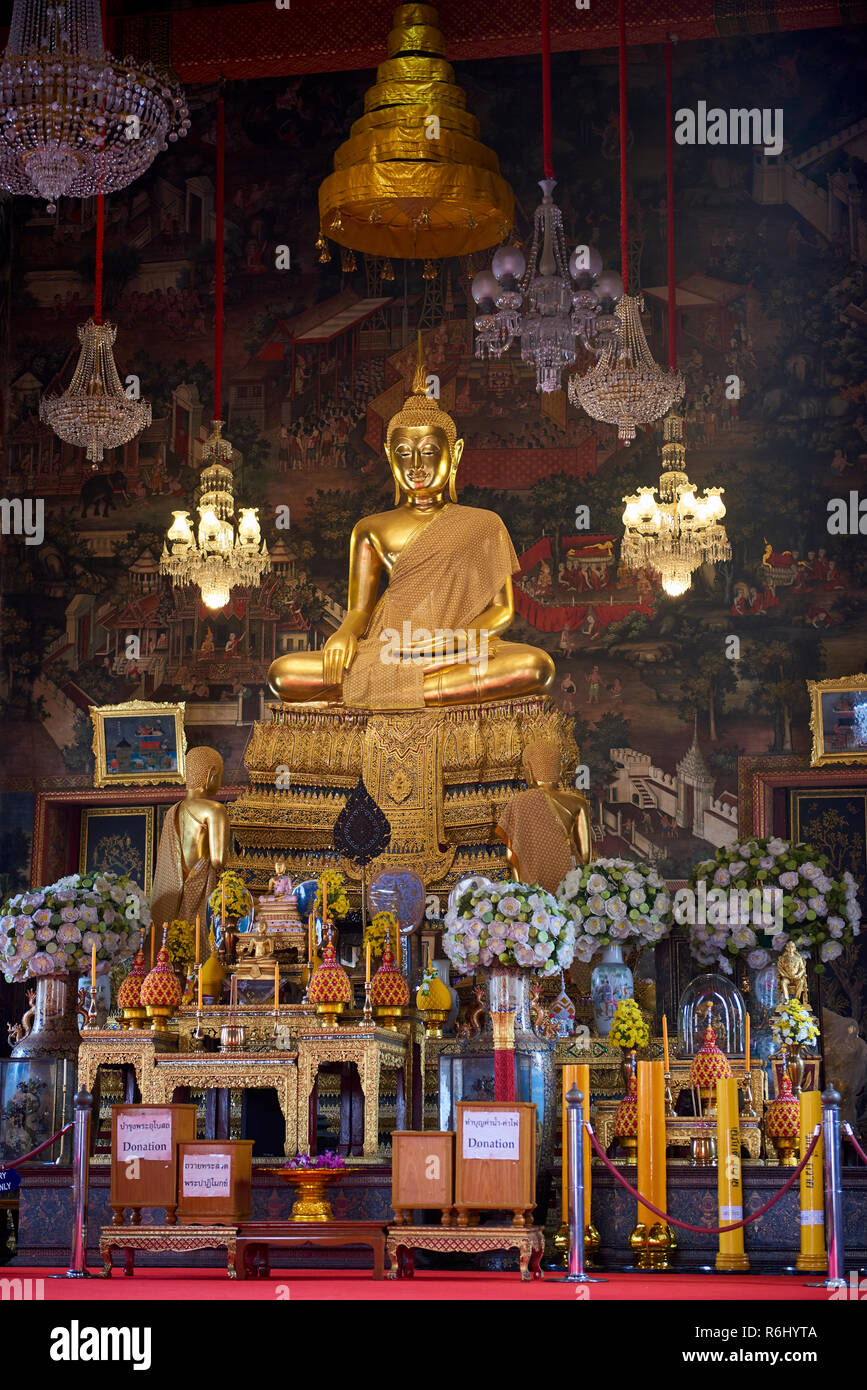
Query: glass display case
{"points": [[718, 999], [36, 1100]]}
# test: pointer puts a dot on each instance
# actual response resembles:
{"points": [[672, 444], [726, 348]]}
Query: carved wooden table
{"points": [[256, 1238], [372, 1050], [403, 1241], [159, 1239], [232, 1071], [133, 1049]]}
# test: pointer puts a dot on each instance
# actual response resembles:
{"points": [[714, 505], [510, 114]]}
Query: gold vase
{"points": [[311, 1202], [628, 1065], [389, 1014], [794, 1064], [330, 1014], [159, 1014], [433, 1022]]}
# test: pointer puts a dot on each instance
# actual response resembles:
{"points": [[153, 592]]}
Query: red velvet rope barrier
{"points": [[624, 134], [669, 210], [706, 1230], [16, 1163], [850, 1134], [218, 258]]}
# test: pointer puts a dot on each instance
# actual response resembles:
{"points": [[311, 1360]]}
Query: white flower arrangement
{"points": [[52, 930], [615, 900], [791, 1022], [804, 902], [510, 924]]}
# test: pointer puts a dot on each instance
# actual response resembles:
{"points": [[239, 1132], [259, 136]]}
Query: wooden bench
{"points": [[256, 1238]]}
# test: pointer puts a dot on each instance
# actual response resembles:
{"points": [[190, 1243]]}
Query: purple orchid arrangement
{"points": [[314, 1162]]}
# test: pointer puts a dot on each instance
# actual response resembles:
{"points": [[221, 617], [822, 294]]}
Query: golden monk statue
{"points": [[192, 845], [792, 975], [433, 637], [546, 830]]}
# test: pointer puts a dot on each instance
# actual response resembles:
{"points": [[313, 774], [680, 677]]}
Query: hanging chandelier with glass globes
{"points": [[216, 557], [550, 302], [75, 121], [626, 387], [680, 531], [94, 412]]}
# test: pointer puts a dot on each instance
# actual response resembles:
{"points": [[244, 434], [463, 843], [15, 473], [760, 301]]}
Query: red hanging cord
{"points": [[624, 132], [547, 137], [97, 275], [218, 268], [669, 211]]}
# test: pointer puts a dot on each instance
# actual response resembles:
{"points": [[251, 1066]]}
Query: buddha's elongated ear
{"points": [[387, 452], [457, 450]]}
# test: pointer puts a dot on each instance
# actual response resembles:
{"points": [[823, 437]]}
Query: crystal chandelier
{"points": [[556, 313], [75, 121], [94, 412], [218, 559], [626, 387], [680, 531]]}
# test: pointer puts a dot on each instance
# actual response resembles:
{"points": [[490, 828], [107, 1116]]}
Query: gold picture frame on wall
{"points": [[119, 839], [839, 730], [138, 744]]}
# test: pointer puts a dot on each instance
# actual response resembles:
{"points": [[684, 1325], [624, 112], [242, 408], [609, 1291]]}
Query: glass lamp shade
{"points": [[249, 532], [180, 532], [509, 260], [676, 584], [485, 286], [215, 594], [720, 997], [609, 285]]}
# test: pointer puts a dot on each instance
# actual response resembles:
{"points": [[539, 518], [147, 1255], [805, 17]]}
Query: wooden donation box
{"points": [[422, 1173], [214, 1180], [495, 1159], [144, 1140]]}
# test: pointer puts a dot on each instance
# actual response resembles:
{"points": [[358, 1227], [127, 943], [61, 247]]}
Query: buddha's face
{"points": [[421, 459]]}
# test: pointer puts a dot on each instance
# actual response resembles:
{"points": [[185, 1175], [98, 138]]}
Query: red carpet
{"points": [[315, 1285]]}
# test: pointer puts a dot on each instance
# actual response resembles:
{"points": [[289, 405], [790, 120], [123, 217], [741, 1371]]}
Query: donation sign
{"points": [[144, 1134], [206, 1175], [491, 1134]]}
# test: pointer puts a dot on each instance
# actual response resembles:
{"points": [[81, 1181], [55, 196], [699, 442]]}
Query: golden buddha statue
{"points": [[193, 843], [434, 636], [545, 829]]}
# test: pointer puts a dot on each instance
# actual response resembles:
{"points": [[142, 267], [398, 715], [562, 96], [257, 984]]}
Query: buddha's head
{"points": [[204, 771], [421, 445]]}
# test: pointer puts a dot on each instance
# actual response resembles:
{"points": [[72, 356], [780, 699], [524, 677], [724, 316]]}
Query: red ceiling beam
{"points": [[318, 36]]}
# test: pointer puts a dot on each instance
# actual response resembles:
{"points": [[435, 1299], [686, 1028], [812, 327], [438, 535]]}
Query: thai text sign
{"points": [[491, 1134], [144, 1134], [206, 1175]]}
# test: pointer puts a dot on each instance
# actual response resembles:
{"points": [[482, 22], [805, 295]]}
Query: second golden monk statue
{"points": [[434, 636]]}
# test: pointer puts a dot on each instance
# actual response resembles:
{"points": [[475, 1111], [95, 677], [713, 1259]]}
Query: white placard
{"points": [[206, 1175], [144, 1134], [491, 1134]]}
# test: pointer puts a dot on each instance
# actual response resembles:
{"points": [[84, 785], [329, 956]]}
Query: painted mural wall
{"points": [[771, 294]]}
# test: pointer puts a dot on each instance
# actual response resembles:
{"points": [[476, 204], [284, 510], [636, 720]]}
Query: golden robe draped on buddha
{"points": [[447, 575]]}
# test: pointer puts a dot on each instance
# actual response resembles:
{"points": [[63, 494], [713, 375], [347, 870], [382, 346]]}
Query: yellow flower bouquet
{"points": [[239, 899], [181, 944], [629, 1027], [338, 899], [381, 931]]}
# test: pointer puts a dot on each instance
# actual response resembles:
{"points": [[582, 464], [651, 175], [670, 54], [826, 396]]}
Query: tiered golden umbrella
{"points": [[413, 179]]}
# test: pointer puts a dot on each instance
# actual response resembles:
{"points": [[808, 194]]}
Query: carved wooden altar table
{"points": [[133, 1049], [232, 1072], [372, 1050], [256, 1238], [403, 1241], [159, 1239]]}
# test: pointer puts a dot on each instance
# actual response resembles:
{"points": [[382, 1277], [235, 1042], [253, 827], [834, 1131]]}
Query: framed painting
{"points": [[838, 720], [119, 838], [138, 744]]}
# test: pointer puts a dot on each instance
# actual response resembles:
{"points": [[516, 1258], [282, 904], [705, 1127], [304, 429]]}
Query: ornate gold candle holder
{"points": [[652, 1245], [703, 1150]]}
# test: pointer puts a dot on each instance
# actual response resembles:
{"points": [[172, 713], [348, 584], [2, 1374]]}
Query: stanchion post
{"points": [[812, 1255], [833, 1190], [80, 1180], [577, 1273], [730, 1254]]}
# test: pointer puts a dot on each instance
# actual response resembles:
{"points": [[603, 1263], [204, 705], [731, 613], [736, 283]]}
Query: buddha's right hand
{"points": [[337, 655]]}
